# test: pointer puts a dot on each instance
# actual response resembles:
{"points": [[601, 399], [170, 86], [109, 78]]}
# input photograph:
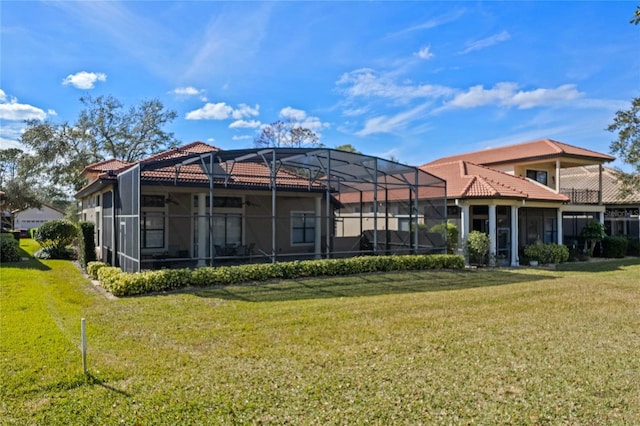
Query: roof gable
{"points": [[468, 180], [527, 151]]}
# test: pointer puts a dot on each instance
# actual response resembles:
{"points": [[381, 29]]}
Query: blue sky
{"points": [[412, 80]]}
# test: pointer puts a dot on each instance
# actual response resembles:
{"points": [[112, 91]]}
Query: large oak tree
{"points": [[104, 129]]}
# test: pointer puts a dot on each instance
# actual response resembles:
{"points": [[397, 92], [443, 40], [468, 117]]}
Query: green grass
{"points": [[522, 346]]}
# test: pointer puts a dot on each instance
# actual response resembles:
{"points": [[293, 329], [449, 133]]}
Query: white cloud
{"points": [[293, 114], [222, 111], [84, 80], [385, 124], [241, 138], [424, 53], [189, 91], [11, 110], [243, 124], [366, 82], [210, 140], [505, 94], [431, 23], [486, 42], [301, 119]]}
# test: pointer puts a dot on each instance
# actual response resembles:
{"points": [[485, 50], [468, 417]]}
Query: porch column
{"points": [[560, 231], [514, 236], [557, 176], [318, 228], [600, 187], [464, 232], [493, 234], [202, 229]]}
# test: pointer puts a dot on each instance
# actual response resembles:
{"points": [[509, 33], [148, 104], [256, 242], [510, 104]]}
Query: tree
{"points": [[103, 130], [627, 146], [286, 134], [18, 184], [348, 148]]}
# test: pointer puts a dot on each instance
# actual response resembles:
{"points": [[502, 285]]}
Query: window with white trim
{"points": [[152, 230]]}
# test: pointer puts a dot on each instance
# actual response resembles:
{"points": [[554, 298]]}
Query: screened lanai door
{"points": [[128, 220]]}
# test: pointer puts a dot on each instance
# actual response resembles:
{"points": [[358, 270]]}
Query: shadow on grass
{"points": [[368, 285], [599, 265], [79, 380], [30, 263]]}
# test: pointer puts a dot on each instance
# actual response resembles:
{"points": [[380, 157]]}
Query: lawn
{"points": [[527, 346]]}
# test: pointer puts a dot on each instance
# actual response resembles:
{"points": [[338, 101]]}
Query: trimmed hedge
{"points": [[9, 248], [94, 267], [126, 284], [614, 246], [86, 244], [550, 253]]}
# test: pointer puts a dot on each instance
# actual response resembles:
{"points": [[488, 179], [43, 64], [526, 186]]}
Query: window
{"points": [[303, 227], [228, 202], [538, 175], [152, 201], [152, 230], [227, 229]]}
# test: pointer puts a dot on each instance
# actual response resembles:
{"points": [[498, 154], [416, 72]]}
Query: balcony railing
{"points": [[581, 196]]}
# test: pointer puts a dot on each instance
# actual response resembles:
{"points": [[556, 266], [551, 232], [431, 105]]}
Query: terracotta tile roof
{"points": [[106, 165], [242, 174], [468, 180], [534, 150], [587, 178], [192, 148]]}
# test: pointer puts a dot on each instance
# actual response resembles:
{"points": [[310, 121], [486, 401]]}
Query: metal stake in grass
{"points": [[83, 331]]}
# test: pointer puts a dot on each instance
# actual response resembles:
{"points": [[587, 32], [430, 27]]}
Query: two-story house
{"points": [[516, 195]]}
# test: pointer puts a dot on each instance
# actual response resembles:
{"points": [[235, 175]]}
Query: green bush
{"points": [[54, 236], [477, 246], [450, 232], [86, 244], [614, 246], [124, 284], [94, 267], [9, 248], [550, 253], [32, 233]]}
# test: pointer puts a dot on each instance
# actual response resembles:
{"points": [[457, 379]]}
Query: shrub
{"points": [[450, 231], [614, 246], [477, 246], [94, 267], [125, 284], [54, 236], [86, 244], [32, 233], [9, 248], [551, 253]]}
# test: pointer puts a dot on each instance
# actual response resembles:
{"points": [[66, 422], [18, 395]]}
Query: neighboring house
{"points": [[34, 217], [516, 194], [198, 205], [621, 215]]}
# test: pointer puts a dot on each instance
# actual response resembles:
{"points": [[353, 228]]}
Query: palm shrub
{"points": [[593, 232], [477, 246], [54, 236]]}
